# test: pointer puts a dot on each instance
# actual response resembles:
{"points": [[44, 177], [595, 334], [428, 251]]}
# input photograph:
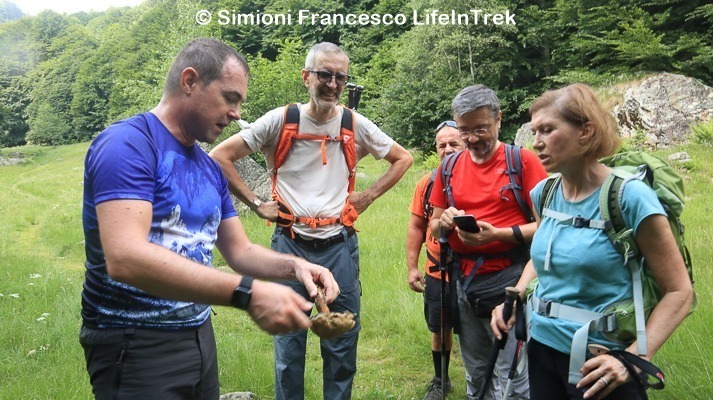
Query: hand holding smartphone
{"points": [[466, 223]]}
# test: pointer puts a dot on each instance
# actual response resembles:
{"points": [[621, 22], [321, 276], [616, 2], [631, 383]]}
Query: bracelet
{"points": [[518, 234]]}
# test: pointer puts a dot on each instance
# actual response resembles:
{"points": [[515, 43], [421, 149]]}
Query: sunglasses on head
{"points": [[450, 123]]}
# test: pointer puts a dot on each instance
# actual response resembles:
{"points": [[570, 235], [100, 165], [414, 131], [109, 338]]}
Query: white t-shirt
{"points": [[310, 188]]}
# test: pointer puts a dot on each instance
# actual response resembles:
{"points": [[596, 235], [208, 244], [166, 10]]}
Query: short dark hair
{"points": [[205, 55]]}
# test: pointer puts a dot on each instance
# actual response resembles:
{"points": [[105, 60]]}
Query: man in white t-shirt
{"points": [[314, 204]]}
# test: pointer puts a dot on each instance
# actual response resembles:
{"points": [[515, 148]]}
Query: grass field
{"points": [[41, 248]]}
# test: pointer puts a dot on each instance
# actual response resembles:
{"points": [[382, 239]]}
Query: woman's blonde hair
{"points": [[577, 105]]}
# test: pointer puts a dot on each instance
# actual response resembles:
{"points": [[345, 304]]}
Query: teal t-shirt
{"points": [[585, 271]]}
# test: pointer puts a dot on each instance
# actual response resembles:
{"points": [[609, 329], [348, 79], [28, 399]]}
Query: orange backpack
{"points": [[286, 217]]}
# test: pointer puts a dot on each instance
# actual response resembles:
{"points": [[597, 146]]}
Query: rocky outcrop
{"points": [[253, 174], [12, 159], [256, 177], [661, 108], [524, 136]]}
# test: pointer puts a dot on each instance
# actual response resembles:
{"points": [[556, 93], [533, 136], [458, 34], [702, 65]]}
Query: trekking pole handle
{"points": [[443, 243], [511, 294], [354, 95]]}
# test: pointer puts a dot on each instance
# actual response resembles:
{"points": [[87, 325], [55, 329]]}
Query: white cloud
{"points": [[33, 7]]}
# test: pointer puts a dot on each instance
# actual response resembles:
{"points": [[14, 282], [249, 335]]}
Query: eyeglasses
{"points": [[450, 123], [477, 131], [326, 77]]}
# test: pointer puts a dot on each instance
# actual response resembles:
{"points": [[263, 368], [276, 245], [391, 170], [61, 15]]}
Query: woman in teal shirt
{"points": [[579, 267]]}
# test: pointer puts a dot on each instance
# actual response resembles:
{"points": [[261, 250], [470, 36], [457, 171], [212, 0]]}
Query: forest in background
{"points": [[64, 78]]}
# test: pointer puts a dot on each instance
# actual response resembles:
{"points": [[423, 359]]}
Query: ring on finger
{"points": [[603, 379]]}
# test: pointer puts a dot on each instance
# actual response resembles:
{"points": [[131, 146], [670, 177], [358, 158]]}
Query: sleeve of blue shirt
{"points": [[122, 164], [638, 202]]}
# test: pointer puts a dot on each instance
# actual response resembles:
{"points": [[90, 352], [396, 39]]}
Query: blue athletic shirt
{"points": [[139, 159], [585, 269]]}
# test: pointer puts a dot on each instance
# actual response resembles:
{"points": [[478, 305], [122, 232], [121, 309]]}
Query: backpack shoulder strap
{"points": [[427, 195], [622, 238], [610, 198], [290, 127], [609, 203], [347, 134], [513, 161], [547, 193], [446, 174], [560, 218]]}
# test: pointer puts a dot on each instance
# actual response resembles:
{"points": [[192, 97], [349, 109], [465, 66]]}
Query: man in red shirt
{"points": [[448, 141], [493, 258]]}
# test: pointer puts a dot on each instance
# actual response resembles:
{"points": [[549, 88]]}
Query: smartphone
{"points": [[466, 223]]}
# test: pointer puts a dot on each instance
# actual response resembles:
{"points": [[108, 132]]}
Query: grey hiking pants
{"points": [[476, 341], [339, 354]]}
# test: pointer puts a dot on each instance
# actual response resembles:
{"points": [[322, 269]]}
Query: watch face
{"points": [[257, 202], [243, 293], [241, 298]]}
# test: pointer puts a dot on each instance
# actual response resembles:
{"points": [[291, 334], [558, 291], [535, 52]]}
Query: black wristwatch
{"points": [[243, 293]]}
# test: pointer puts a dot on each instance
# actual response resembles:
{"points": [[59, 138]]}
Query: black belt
{"points": [[319, 244]]}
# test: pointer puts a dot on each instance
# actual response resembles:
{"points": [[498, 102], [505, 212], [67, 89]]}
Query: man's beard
{"points": [[482, 149], [320, 102]]}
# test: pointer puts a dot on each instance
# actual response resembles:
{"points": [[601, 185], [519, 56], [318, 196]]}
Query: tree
{"points": [[145, 52], [52, 91], [89, 69], [421, 71], [9, 11], [275, 83], [48, 127], [14, 98]]}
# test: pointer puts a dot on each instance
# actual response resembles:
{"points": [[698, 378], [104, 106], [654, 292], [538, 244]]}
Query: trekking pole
{"points": [[521, 335], [511, 294], [443, 267], [354, 95], [513, 369]]}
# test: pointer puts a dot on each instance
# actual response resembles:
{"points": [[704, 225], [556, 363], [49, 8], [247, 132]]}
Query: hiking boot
{"points": [[436, 389]]}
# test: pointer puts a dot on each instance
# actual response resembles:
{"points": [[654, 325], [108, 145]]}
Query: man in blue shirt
{"points": [[155, 206]]}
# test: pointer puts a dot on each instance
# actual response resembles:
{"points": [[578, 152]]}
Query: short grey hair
{"points": [[474, 97], [322, 48]]}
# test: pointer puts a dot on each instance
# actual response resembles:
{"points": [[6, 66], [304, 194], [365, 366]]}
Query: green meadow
{"points": [[41, 276]]}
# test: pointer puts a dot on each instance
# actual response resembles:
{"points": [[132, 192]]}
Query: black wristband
{"points": [[518, 234]]}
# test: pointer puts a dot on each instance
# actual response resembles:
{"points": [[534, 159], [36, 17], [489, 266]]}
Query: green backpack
{"points": [[629, 316], [668, 186]]}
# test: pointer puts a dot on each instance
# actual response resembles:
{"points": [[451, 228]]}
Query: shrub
{"points": [[702, 133]]}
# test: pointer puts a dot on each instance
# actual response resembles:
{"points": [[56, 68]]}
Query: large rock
{"points": [[662, 107], [524, 136], [256, 177], [253, 174], [12, 159]]}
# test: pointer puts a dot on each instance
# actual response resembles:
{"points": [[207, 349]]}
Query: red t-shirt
{"points": [[477, 191]]}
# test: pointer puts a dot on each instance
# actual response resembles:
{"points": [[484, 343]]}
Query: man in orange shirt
{"points": [[447, 141]]}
